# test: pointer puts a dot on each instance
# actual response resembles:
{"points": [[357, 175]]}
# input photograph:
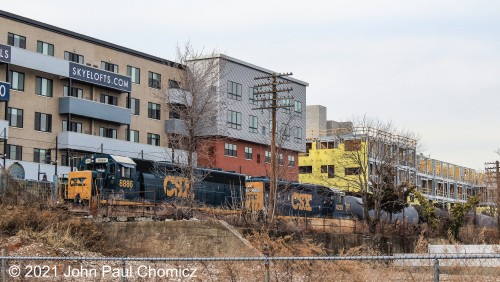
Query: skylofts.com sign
{"points": [[100, 77], [4, 53]]}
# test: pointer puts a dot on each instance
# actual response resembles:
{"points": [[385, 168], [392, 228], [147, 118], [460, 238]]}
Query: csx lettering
{"points": [[176, 186], [77, 181], [301, 201], [126, 183]]}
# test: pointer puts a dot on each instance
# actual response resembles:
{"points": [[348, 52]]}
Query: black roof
{"points": [[86, 38]]}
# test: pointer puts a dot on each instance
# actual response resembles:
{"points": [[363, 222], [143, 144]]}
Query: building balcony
{"points": [[4, 129], [95, 110], [93, 143], [175, 126], [178, 96]]}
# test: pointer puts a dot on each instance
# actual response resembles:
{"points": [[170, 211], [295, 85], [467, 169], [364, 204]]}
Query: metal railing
{"points": [[478, 267]]}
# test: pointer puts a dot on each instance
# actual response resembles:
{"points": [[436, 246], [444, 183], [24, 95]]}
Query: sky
{"points": [[429, 67]]}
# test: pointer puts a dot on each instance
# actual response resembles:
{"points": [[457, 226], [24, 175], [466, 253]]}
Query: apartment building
{"points": [[328, 161], [241, 140], [71, 94]]}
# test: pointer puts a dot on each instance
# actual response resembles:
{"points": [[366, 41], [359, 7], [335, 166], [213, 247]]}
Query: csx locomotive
{"points": [[123, 178]]}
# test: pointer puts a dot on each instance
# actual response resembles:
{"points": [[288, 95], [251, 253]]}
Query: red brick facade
{"points": [[214, 155]]}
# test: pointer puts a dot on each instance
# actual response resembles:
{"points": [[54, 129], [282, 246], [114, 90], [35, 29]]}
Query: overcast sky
{"points": [[431, 67]]}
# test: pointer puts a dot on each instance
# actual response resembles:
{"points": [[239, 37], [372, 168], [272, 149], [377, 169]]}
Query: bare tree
{"points": [[379, 166], [193, 103]]}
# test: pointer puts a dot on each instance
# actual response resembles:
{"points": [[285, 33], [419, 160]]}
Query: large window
{"points": [[330, 169], [73, 57], [41, 155], [16, 40], [298, 107], [109, 99], [75, 92], [109, 67], [280, 159], [153, 139], [154, 80], [291, 161], [135, 74], [133, 136], [352, 171], [233, 119], [252, 96], [230, 150], [43, 122], [267, 157], [45, 48], [133, 104], [73, 126], [15, 117], [14, 152], [248, 153], [153, 110], [107, 132], [173, 84], [307, 169], [287, 104], [16, 80], [234, 90], [43, 86], [297, 134], [253, 124]]}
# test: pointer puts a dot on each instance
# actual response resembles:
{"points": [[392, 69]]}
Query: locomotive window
{"points": [[126, 172]]}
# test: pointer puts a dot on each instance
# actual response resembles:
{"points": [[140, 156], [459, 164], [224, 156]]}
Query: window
{"points": [[108, 99], [298, 107], [126, 172], [253, 124], [297, 137], [73, 57], [16, 40], [153, 110], [286, 132], [230, 150], [14, 152], [153, 139], [43, 86], [234, 90], [286, 104], [248, 153], [73, 126], [267, 157], [109, 67], [352, 171], [134, 105], [133, 136], [45, 48], [307, 169], [154, 80], [107, 132], [173, 84], [177, 111], [252, 96], [43, 122], [291, 161], [75, 92], [134, 73], [280, 159], [41, 155], [15, 117], [330, 169], [233, 119], [16, 80], [352, 145]]}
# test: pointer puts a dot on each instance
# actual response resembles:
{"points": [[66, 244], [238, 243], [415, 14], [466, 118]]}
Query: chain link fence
{"points": [[483, 267]]}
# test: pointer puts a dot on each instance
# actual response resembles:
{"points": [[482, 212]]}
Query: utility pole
{"points": [[494, 167], [268, 91]]}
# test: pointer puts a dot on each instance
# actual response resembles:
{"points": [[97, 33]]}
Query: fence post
{"points": [[123, 270], [4, 266], [436, 270], [266, 264]]}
